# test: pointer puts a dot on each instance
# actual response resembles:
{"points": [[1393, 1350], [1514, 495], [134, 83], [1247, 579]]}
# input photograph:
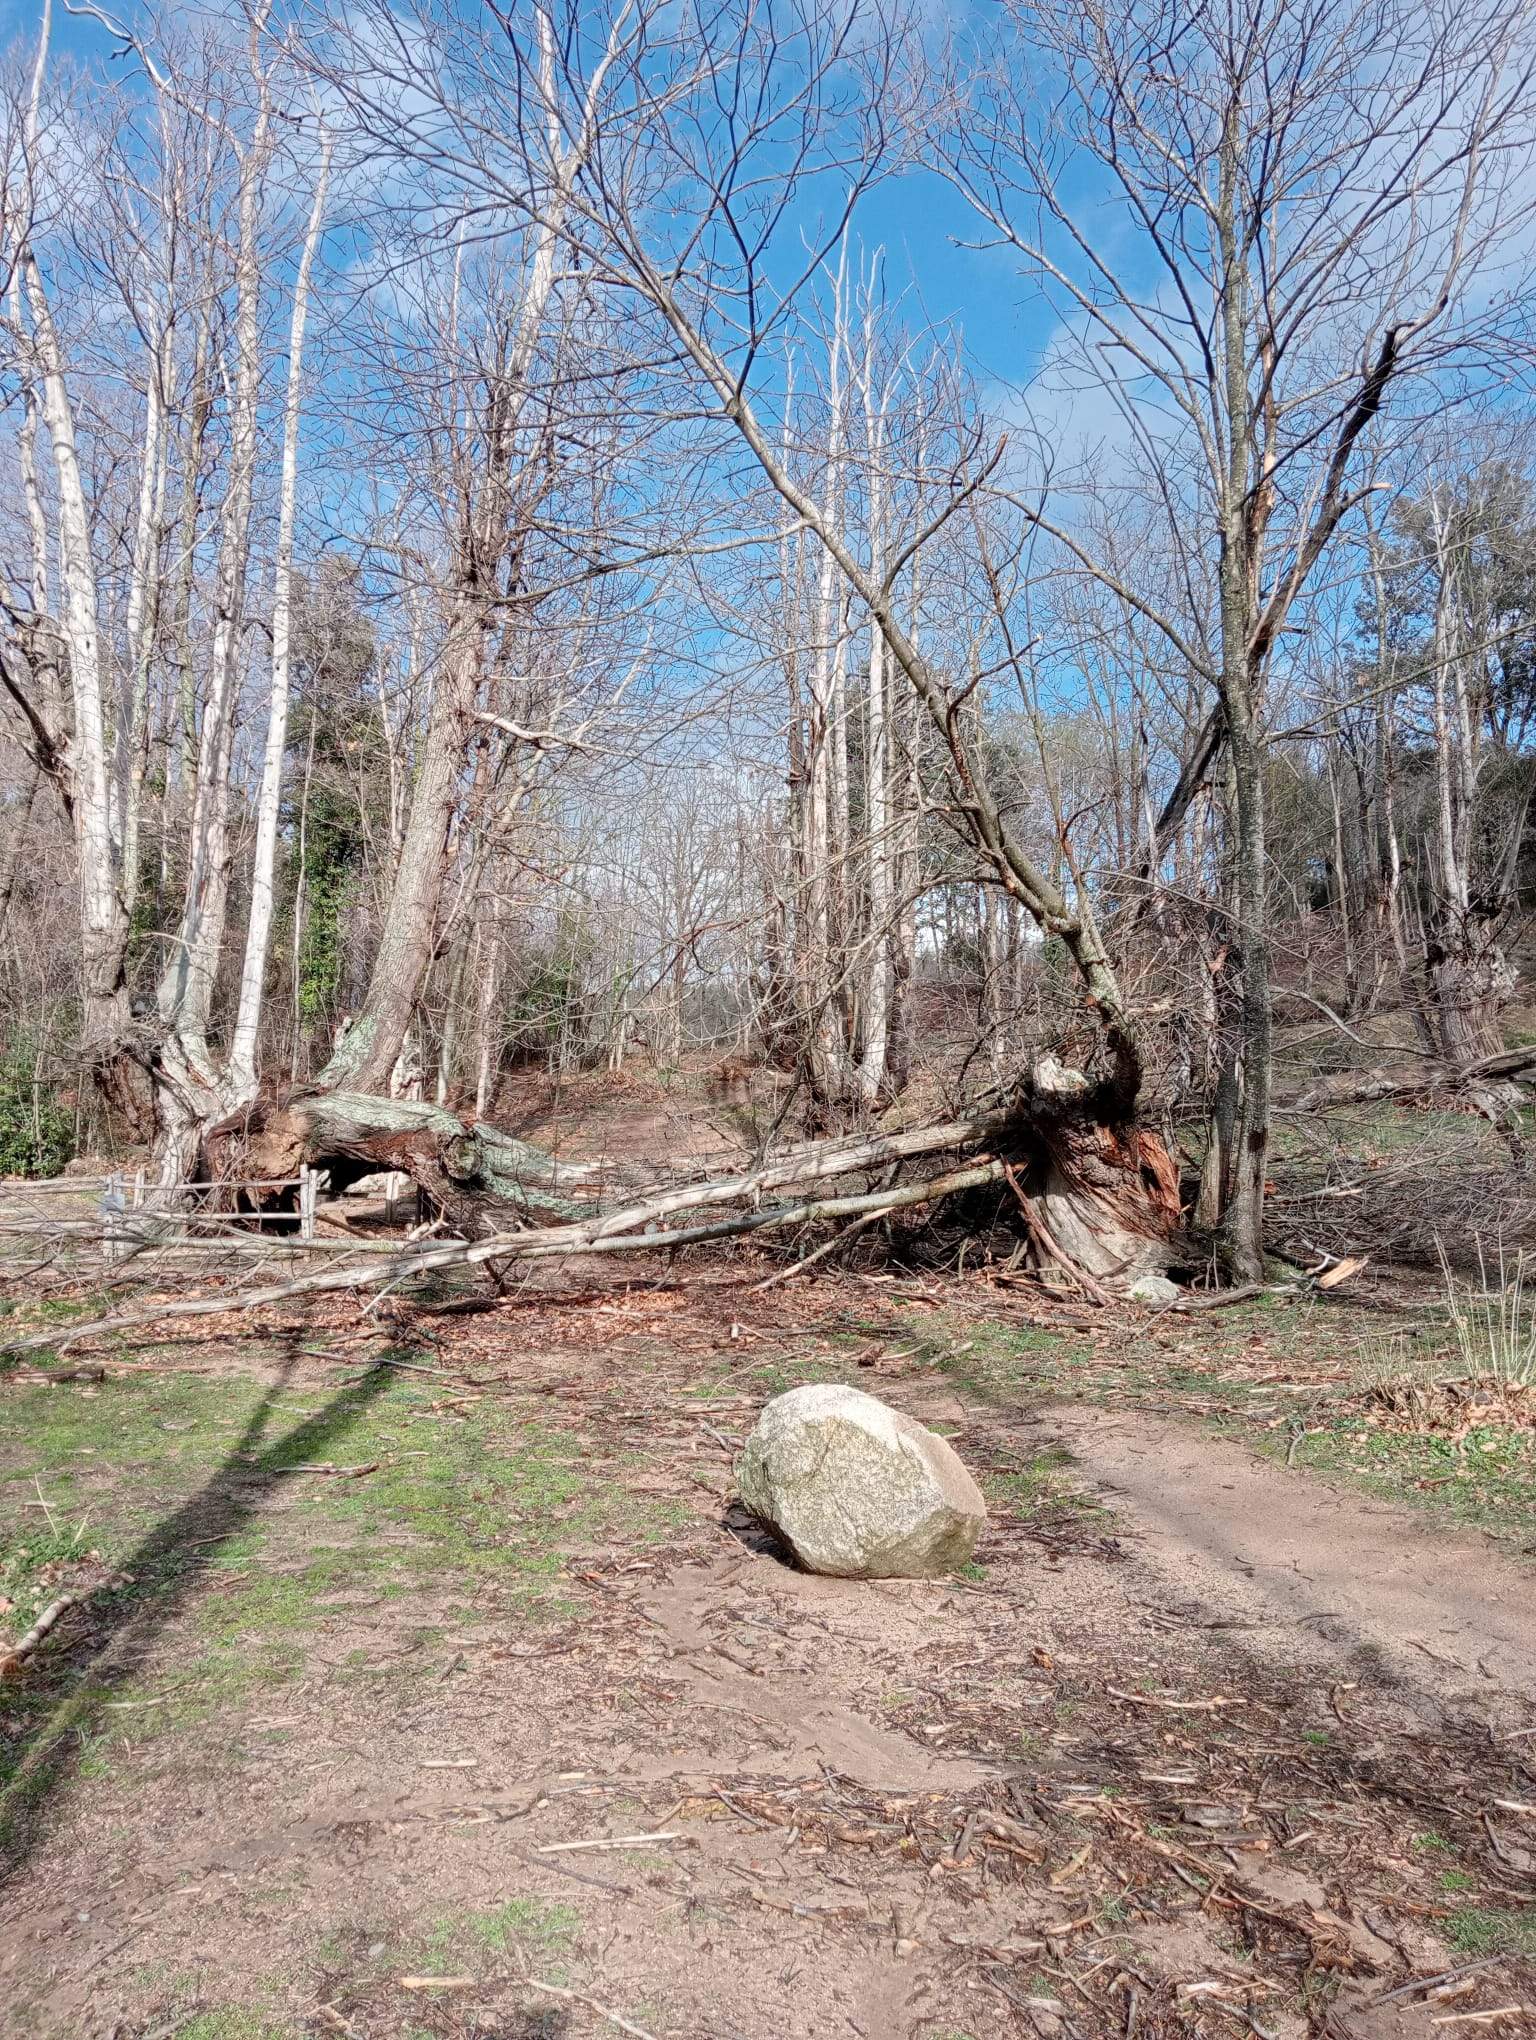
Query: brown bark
{"points": [[365, 1056]]}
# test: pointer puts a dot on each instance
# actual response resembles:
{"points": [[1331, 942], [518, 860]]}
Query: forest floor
{"points": [[430, 1682]]}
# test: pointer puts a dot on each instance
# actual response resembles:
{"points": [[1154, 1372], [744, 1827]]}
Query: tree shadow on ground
{"points": [[69, 1687]]}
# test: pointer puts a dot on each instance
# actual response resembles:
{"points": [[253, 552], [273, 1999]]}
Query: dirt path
{"points": [[1312, 1570], [526, 1730]]}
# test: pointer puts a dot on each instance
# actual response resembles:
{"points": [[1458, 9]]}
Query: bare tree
{"points": [[1307, 206]]}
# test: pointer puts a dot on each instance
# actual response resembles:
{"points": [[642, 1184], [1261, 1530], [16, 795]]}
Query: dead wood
{"points": [[1490, 1080], [1099, 1197], [13, 1660]]}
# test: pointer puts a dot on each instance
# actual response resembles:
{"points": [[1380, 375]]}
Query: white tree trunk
{"points": [[102, 921], [187, 984], [877, 768], [143, 604], [243, 1076]]}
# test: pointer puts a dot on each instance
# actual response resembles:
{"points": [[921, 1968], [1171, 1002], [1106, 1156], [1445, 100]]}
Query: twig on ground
{"points": [[1419, 1983], [342, 1472], [13, 1660], [575, 1997], [608, 1842], [1187, 1306], [1211, 1706]]}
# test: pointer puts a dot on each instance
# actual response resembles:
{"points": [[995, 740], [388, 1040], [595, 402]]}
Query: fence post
{"points": [[306, 1202], [112, 1217]]}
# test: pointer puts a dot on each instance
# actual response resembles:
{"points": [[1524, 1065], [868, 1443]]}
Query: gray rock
{"points": [[1154, 1289], [858, 1489]]}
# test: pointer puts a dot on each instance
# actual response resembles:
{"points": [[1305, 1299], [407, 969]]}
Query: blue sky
{"points": [[918, 218]]}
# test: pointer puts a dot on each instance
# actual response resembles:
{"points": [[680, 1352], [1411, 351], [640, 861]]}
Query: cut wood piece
{"points": [[1342, 1270]]}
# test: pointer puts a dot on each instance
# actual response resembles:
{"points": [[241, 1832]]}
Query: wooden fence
{"points": [[124, 1211]]}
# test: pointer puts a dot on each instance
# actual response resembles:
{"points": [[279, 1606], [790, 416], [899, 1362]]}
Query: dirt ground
{"points": [[431, 1683]]}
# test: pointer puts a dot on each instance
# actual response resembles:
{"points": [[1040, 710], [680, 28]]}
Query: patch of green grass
{"points": [[1487, 1930], [1043, 1486], [174, 1478], [1488, 1483], [997, 1363], [775, 1376], [236, 2023], [25, 1556], [473, 1940]]}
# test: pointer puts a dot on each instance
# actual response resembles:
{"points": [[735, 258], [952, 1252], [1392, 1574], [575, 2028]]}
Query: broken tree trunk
{"points": [[1099, 1198], [1100, 1194], [477, 1176], [1103, 1191]]}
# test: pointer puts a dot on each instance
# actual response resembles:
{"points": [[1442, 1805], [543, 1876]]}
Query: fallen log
{"points": [[12, 1661], [529, 1245], [1492, 1078], [1099, 1195]]}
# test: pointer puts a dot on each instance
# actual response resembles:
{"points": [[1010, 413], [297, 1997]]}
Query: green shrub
{"points": [[37, 1134]]}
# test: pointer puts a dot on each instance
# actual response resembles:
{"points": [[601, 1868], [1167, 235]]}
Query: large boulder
{"points": [[857, 1489]]}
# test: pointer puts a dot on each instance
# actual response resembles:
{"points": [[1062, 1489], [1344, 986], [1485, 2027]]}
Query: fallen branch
{"points": [[1433, 1079], [1210, 1706], [537, 1244], [1186, 1305], [609, 1842], [840, 1239], [1423, 1983], [325, 1466], [16, 1657]]}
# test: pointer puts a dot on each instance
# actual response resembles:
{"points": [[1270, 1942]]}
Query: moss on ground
{"points": [[1486, 1481], [1043, 1487], [1488, 1930]]}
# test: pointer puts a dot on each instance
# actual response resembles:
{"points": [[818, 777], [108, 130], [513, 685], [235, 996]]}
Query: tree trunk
{"points": [[103, 920], [258, 934], [1242, 1228], [187, 983], [365, 1055]]}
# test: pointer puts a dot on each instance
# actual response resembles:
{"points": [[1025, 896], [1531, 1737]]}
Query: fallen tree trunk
{"points": [[1490, 1087], [473, 1173], [1098, 1198], [1428, 1079], [530, 1245]]}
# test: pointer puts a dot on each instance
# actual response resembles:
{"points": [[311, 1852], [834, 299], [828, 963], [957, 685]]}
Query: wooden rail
{"points": [[125, 1203]]}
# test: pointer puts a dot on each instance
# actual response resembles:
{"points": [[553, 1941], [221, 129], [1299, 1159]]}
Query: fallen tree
{"points": [[1102, 1191], [472, 1172], [1052, 1153]]}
